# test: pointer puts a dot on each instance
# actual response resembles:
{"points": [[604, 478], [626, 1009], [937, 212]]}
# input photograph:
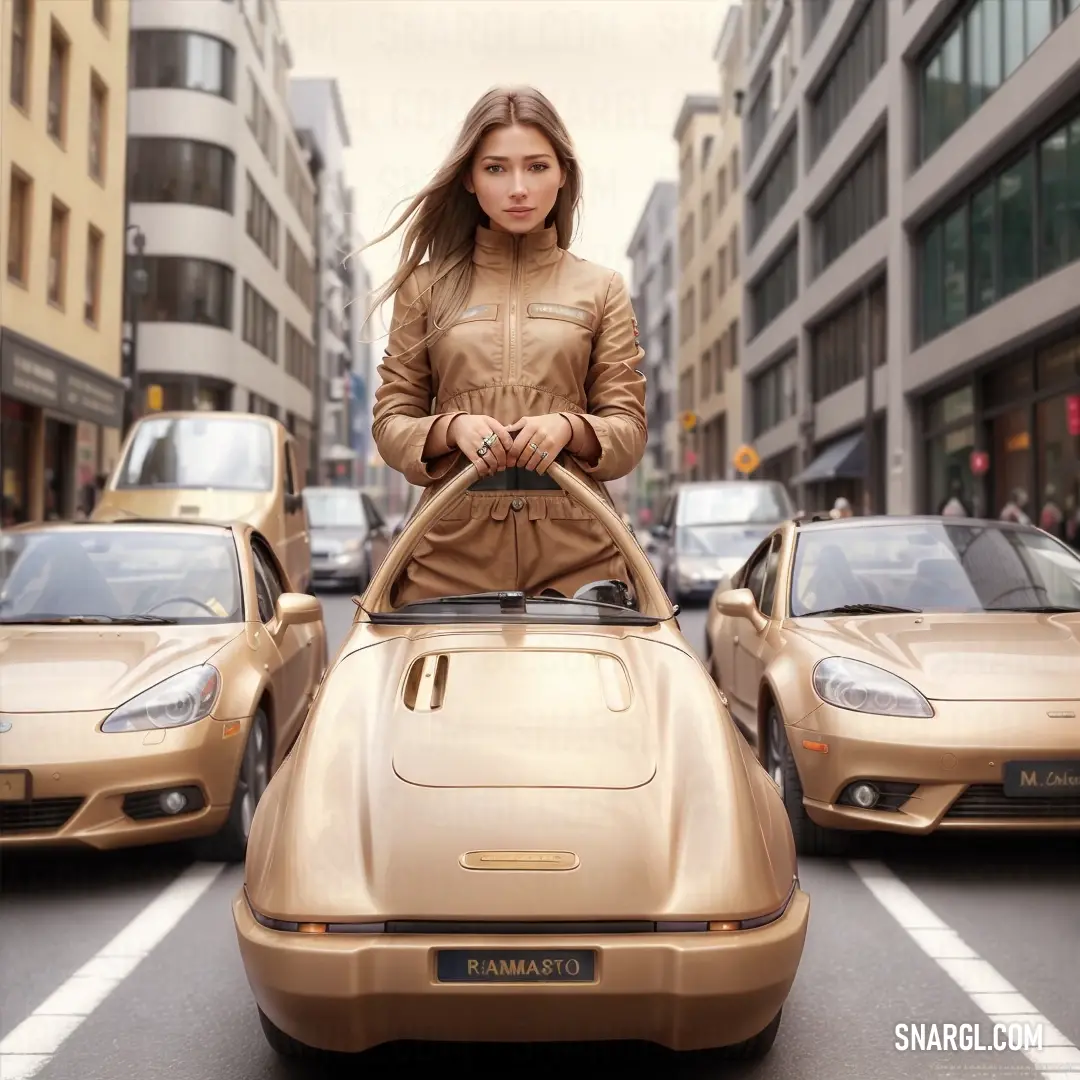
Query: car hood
{"points": [[50, 669], [331, 538], [711, 566], [607, 754], [961, 657]]}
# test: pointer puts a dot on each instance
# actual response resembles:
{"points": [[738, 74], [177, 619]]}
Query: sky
{"points": [[409, 70]]}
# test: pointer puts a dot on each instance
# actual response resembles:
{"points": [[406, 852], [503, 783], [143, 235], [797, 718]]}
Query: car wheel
{"points": [[757, 1046], [810, 838], [230, 844], [284, 1045]]}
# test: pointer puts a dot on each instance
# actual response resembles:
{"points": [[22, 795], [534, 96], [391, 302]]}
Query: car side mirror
{"points": [[296, 609], [740, 604], [661, 532]]}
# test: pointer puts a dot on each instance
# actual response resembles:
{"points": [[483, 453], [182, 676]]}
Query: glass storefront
{"points": [[16, 426], [1025, 414]]}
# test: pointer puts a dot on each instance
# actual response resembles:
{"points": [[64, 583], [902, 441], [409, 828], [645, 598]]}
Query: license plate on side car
{"points": [[516, 965], [1039, 779]]}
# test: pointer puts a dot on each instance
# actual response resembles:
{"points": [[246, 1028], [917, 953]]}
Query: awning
{"points": [[845, 459]]}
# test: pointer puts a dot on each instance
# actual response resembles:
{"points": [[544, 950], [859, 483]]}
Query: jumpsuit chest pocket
{"points": [[560, 337]]}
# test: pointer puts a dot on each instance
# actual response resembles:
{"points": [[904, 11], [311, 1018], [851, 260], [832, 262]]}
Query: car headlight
{"points": [[352, 547], [851, 684], [181, 699]]}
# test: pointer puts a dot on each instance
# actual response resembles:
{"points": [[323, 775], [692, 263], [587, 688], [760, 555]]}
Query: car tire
{"points": [[810, 838], [284, 1045], [757, 1046], [230, 843]]}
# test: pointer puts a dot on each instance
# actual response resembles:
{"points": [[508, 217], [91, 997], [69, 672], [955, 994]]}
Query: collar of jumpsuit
{"points": [[500, 250]]}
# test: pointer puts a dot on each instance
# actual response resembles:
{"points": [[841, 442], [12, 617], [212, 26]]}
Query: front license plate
{"points": [[516, 965], [14, 786], [1039, 779]]}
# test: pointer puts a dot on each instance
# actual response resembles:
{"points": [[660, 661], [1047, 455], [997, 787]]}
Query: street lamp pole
{"points": [[138, 282]]}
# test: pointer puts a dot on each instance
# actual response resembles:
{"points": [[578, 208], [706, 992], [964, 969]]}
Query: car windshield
{"points": [[734, 503], [225, 453], [334, 509], [932, 566], [720, 541], [120, 574]]}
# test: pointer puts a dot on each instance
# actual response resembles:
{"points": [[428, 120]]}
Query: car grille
{"points": [[990, 801], [40, 815]]}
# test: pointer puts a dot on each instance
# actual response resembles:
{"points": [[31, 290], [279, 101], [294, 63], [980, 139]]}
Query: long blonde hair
{"points": [[442, 218]]}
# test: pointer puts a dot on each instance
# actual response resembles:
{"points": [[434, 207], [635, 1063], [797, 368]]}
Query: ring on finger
{"points": [[491, 439], [534, 447], [543, 454], [482, 450]]}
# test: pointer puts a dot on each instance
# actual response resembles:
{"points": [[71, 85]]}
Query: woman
{"points": [[507, 351]]}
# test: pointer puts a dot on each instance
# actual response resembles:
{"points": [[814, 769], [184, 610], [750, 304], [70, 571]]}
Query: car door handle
{"points": [[735, 640]]}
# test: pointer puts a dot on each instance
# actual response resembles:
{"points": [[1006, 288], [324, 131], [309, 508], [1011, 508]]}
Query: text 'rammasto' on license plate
{"points": [[516, 965]]}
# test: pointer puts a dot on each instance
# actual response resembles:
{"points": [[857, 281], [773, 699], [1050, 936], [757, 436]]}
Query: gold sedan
{"points": [[516, 818], [154, 676], [907, 674]]}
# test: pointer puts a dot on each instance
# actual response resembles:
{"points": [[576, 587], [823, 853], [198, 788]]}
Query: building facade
{"points": [[221, 196], [654, 256], [697, 135], [913, 290], [319, 115], [63, 116]]}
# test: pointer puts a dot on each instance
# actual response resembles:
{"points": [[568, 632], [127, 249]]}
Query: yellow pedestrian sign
{"points": [[155, 398], [746, 460], [688, 420]]}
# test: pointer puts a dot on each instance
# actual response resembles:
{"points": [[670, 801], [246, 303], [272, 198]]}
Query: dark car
{"points": [[349, 537], [709, 529]]}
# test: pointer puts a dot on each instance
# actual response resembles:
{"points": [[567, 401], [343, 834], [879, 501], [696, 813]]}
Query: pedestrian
{"points": [[954, 505], [1013, 510], [509, 352]]}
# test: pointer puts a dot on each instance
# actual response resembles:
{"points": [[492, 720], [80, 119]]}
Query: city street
{"points": [[179, 1007]]}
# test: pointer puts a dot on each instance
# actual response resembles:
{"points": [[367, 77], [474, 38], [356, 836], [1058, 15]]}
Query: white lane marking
{"points": [[1058, 1059], [29, 1047]]}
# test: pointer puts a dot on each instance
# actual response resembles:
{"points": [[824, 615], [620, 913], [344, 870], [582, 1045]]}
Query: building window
{"points": [[686, 169], [706, 295], [771, 195], [706, 215], [99, 98], [721, 188], [1020, 224], [101, 13], [299, 356], [722, 271], [860, 201], [58, 242], [182, 60], [838, 344], [18, 227], [774, 399], [300, 189], [687, 320], [862, 58], [20, 53], [262, 125], [92, 302], [720, 362], [735, 177], [262, 222], [814, 12], [686, 242], [299, 275], [187, 290], [180, 171], [733, 247], [59, 52], [733, 344], [760, 117], [260, 323], [974, 55], [777, 289]]}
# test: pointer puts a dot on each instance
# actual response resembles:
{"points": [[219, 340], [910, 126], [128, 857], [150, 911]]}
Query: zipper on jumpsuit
{"points": [[515, 267]]}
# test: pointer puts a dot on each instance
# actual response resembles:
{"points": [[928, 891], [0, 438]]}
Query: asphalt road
{"points": [[184, 1012]]}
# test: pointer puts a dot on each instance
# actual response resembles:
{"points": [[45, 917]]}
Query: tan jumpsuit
{"points": [[543, 332]]}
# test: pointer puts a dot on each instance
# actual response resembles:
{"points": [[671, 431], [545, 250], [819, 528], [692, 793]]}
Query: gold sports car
{"points": [[153, 676], [907, 674], [515, 818]]}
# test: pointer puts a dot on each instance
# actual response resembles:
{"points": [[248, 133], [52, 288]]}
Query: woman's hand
{"points": [[468, 432], [539, 441]]}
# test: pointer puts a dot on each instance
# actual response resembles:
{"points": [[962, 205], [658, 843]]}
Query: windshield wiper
{"points": [[1039, 609], [85, 620], [862, 609], [512, 601]]}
